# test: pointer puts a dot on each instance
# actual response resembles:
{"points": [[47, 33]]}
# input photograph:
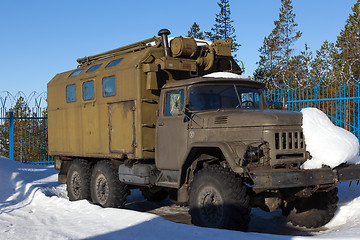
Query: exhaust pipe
{"points": [[163, 33]]}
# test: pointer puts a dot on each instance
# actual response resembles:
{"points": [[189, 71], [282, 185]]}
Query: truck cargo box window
{"points": [[108, 85], [88, 90], [114, 62], [93, 68], [174, 103], [76, 72], [71, 93]]}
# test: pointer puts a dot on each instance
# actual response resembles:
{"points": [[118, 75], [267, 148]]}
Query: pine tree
{"points": [[326, 62], [300, 66], [223, 27], [276, 54], [348, 43], [268, 68], [195, 32], [22, 130], [286, 34]]}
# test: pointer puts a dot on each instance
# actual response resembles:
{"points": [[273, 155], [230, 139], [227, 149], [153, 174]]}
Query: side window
{"points": [[88, 90], [71, 93], [93, 68], [174, 103], [114, 62], [108, 86], [76, 72]]}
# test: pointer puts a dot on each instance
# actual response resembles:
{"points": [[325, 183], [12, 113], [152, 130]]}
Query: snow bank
{"points": [[328, 144], [225, 75], [34, 206]]}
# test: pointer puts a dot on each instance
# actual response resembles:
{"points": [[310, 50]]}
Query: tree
{"points": [[195, 32], [348, 43], [326, 62], [286, 35], [300, 65], [276, 54], [223, 27], [268, 68]]}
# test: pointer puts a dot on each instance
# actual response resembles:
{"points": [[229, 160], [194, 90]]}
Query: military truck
{"points": [[156, 115]]}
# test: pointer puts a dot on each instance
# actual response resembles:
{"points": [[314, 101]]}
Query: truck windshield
{"points": [[211, 97]]}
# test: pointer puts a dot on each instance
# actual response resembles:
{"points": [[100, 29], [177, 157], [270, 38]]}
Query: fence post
{"points": [[11, 135]]}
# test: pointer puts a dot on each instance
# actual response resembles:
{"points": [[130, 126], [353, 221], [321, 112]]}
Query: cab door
{"points": [[171, 131]]}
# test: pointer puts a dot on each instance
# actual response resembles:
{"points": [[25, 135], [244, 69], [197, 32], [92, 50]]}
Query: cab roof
{"points": [[201, 80]]}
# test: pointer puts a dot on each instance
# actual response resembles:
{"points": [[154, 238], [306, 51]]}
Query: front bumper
{"points": [[288, 178]]}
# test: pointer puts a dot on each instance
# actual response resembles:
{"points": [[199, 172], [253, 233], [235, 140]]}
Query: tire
{"points": [[78, 180], [154, 196], [219, 199], [106, 188], [314, 211]]}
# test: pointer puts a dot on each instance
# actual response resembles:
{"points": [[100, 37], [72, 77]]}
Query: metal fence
{"points": [[23, 127], [340, 102]]}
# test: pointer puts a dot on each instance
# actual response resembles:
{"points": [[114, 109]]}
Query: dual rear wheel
{"points": [[99, 184]]}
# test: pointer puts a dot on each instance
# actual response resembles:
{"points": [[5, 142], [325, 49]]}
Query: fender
{"points": [[232, 151]]}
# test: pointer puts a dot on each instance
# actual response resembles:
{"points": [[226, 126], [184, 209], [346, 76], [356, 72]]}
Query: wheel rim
{"points": [[102, 189], [211, 205], [75, 184]]}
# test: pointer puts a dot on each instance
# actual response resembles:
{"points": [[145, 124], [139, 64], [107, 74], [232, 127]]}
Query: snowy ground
{"points": [[34, 206]]}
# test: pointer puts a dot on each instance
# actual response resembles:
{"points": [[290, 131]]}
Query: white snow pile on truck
{"points": [[225, 75], [328, 144]]}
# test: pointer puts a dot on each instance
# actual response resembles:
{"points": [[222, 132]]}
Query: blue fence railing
{"points": [[340, 102], [23, 130]]}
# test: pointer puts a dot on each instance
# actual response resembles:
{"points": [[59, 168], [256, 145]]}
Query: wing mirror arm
{"points": [[187, 112]]}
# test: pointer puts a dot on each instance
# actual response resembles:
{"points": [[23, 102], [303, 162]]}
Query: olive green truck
{"points": [[144, 116]]}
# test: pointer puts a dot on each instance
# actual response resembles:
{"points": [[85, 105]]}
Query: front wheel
{"points": [[314, 211], [106, 188], [219, 199]]}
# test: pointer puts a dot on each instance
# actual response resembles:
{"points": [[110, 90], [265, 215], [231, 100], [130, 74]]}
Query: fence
{"points": [[340, 102], [23, 129]]}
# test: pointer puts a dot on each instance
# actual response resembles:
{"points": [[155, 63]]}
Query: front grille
{"points": [[289, 140]]}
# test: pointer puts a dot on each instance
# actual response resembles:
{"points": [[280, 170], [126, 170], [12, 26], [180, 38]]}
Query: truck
{"points": [[175, 118]]}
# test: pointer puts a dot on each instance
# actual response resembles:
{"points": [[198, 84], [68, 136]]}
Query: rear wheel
{"points": [[106, 188], [219, 199], [78, 180], [314, 211]]}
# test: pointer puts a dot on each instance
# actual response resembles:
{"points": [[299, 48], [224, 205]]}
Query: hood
{"points": [[251, 118]]}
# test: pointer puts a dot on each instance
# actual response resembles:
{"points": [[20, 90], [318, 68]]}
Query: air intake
{"points": [[221, 120]]}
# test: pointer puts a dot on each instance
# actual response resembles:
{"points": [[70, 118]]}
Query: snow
{"points": [[34, 206], [225, 75], [328, 144]]}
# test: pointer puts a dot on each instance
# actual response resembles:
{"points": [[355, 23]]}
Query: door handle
{"points": [[160, 124]]}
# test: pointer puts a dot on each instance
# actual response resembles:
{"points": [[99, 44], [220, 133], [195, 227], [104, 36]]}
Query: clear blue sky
{"points": [[39, 39]]}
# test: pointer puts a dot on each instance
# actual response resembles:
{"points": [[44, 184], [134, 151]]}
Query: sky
{"points": [[40, 38]]}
